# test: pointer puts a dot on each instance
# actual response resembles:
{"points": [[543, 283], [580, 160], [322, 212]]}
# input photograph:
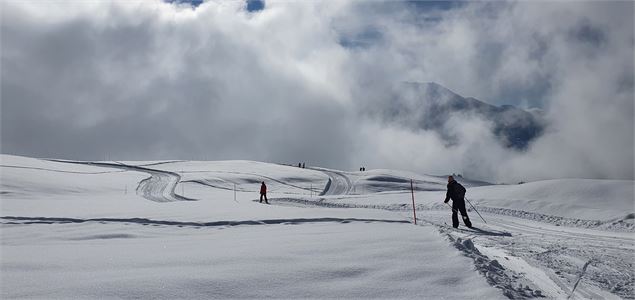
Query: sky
{"points": [[290, 82]]}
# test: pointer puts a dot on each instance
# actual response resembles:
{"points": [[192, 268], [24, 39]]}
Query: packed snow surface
{"points": [[192, 229]]}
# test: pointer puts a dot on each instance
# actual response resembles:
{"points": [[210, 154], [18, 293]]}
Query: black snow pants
{"points": [[459, 206], [264, 195]]}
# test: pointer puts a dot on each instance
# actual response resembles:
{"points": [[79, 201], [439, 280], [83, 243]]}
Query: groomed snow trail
{"points": [[563, 252], [339, 183], [159, 187]]}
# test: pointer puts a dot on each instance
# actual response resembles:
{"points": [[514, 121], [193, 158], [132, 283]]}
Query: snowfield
{"points": [[191, 229]]}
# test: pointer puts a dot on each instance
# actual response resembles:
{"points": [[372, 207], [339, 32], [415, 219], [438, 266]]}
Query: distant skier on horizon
{"points": [[456, 192], [263, 192]]}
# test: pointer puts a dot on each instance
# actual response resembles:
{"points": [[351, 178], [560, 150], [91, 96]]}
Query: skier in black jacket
{"points": [[456, 192]]}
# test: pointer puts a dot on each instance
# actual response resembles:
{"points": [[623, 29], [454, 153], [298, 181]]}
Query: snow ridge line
{"points": [[145, 221], [238, 188], [246, 173], [59, 171]]}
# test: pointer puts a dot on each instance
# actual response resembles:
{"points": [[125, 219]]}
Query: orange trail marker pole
{"points": [[414, 212]]}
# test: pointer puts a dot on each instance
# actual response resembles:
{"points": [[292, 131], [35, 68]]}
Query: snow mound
{"points": [[506, 280], [587, 199]]}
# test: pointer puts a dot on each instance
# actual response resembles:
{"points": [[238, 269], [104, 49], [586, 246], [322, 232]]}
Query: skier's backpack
{"points": [[461, 190]]}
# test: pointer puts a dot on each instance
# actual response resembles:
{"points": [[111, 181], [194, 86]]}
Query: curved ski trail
{"points": [[159, 187], [338, 184]]}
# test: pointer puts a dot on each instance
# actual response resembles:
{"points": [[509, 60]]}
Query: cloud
{"points": [[572, 60], [298, 82], [164, 81]]}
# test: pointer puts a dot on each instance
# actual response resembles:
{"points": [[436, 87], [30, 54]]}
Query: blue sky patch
{"points": [[255, 5]]}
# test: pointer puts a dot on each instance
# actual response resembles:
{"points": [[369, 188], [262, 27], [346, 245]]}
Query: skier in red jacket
{"points": [[263, 192]]}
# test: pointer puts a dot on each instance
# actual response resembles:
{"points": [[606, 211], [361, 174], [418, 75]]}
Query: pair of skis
{"points": [[474, 208]]}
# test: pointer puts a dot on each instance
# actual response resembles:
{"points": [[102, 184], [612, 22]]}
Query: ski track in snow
{"points": [[339, 183], [159, 187]]}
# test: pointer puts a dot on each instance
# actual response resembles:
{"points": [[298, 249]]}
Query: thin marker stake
{"points": [[412, 191]]}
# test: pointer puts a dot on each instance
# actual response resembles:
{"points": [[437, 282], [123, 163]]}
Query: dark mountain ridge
{"points": [[429, 106]]}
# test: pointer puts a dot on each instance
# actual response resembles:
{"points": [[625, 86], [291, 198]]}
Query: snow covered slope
{"points": [[588, 199], [85, 235], [186, 229]]}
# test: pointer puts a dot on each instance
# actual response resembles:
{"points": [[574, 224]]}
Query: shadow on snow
{"points": [[144, 221]]}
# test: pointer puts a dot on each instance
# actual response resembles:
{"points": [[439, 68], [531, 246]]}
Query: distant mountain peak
{"points": [[431, 87], [429, 105]]}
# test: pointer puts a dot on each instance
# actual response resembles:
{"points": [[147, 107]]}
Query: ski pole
{"points": [[479, 214], [454, 210]]}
